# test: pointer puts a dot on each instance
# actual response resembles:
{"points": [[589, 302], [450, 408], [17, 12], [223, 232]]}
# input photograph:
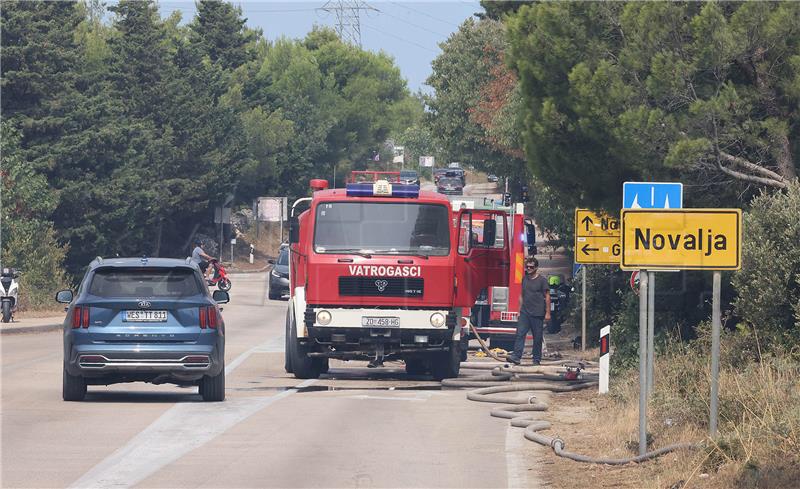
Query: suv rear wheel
{"points": [[73, 387], [212, 388]]}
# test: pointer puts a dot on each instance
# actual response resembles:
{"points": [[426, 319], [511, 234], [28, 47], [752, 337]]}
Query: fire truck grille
{"points": [[381, 286]]}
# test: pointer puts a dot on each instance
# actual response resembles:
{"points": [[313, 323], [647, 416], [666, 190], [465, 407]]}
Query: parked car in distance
{"points": [[279, 275], [450, 186], [492, 178], [409, 177], [438, 173], [143, 320]]}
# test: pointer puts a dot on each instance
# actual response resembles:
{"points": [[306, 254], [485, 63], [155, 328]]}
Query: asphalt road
{"points": [[355, 427]]}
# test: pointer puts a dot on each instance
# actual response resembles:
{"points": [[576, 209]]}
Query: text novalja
{"points": [[681, 239]]}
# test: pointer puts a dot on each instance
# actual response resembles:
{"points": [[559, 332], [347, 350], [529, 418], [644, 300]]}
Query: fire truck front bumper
{"points": [[396, 330]]}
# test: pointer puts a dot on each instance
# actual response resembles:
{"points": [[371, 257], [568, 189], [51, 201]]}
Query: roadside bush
{"points": [[758, 445], [768, 285]]}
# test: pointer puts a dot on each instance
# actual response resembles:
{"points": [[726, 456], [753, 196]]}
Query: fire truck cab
{"points": [[380, 271]]}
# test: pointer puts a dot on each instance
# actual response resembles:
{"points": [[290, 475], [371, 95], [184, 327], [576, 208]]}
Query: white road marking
{"points": [[181, 429], [515, 460], [275, 345]]}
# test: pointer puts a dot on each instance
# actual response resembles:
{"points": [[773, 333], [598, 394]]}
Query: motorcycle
{"points": [[9, 293], [220, 278]]}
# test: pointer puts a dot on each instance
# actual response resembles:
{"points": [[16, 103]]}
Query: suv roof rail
{"points": [[99, 259]]}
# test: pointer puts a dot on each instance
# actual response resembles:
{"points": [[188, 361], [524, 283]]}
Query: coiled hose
{"points": [[502, 379]]}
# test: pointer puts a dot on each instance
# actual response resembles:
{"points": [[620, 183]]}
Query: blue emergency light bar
{"points": [[382, 189]]}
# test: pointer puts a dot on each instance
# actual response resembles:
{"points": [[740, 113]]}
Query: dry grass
{"points": [[759, 429]]}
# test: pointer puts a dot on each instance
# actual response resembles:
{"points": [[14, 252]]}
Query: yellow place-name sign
{"points": [[596, 238], [682, 239]]}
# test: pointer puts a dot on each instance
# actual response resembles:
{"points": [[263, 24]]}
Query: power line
{"points": [[401, 39], [421, 12], [413, 24]]}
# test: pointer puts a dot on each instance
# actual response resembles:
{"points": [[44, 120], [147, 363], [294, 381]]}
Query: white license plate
{"points": [[145, 316], [376, 322]]}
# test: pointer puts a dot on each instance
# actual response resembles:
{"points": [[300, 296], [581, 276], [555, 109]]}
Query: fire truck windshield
{"points": [[382, 228]]}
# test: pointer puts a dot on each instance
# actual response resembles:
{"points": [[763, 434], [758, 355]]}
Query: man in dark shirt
{"points": [[534, 310]]}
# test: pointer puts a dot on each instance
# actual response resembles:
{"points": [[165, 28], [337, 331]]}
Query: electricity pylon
{"points": [[348, 24]]}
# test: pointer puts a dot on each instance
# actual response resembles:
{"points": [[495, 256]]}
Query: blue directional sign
{"points": [[652, 195]]}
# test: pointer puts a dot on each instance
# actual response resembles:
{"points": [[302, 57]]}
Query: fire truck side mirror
{"points": [[294, 230], [489, 232], [530, 238]]}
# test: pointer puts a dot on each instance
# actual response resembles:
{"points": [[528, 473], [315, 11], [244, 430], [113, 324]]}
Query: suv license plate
{"points": [[145, 316], [377, 322]]}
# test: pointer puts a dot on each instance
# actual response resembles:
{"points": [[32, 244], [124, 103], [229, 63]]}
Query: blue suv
{"points": [[143, 320]]}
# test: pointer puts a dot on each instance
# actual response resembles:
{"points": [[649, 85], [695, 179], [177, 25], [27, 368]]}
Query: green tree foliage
{"points": [[464, 109], [28, 239], [497, 9], [768, 284], [220, 33], [323, 103], [706, 92]]}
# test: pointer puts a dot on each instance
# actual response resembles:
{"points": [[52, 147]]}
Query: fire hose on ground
{"points": [[504, 378]]}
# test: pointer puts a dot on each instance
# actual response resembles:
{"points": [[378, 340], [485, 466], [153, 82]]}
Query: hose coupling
{"points": [[532, 400], [557, 444]]}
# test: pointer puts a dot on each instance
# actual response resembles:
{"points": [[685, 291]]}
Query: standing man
{"points": [[201, 258], [534, 310]]}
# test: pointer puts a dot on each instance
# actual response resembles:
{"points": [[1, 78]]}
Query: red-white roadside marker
{"points": [[605, 346]]}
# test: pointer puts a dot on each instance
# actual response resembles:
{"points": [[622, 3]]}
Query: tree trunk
{"points": [[157, 249]]}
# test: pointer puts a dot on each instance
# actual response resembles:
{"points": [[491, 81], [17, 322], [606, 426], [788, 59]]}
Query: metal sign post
{"points": [[651, 316], [583, 311], [643, 276], [715, 331]]}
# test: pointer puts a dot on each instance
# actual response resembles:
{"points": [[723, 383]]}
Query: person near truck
{"points": [[534, 310]]}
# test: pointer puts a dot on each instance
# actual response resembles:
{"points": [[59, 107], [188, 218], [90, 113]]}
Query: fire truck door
{"points": [[482, 259]]}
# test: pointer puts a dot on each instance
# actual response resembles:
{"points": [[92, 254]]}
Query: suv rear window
{"points": [[144, 282]]}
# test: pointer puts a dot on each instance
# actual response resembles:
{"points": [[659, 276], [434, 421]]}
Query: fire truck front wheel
{"points": [[302, 365], [287, 357], [446, 364]]}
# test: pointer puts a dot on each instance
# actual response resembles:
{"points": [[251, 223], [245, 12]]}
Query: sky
{"points": [[408, 31]]}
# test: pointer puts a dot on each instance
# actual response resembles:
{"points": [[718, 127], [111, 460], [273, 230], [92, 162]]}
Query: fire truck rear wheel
{"points": [[303, 366], [446, 364]]}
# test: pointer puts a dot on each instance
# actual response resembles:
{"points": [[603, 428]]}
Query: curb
{"points": [[43, 328], [260, 270]]}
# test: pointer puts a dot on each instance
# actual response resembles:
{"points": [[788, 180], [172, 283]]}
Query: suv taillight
{"points": [[80, 317], [208, 317]]}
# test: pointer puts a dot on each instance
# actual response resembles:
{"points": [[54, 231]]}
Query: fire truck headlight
{"points": [[437, 320], [324, 318]]}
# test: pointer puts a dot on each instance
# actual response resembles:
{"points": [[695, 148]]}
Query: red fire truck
{"points": [[496, 310], [381, 271]]}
